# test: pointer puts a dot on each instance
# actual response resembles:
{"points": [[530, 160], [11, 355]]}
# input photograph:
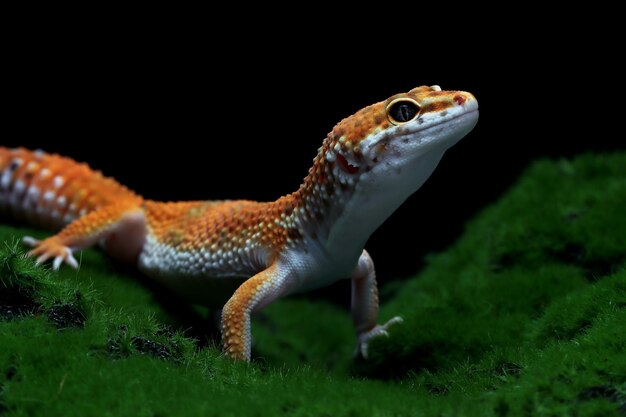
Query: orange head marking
{"points": [[373, 160], [405, 123]]}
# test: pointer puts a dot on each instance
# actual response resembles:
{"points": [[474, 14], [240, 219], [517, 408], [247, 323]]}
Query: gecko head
{"points": [[373, 160], [383, 153], [395, 133]]}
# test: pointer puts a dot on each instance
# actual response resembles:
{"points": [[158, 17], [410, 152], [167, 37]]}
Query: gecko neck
{"points": [[336, 212], [320, 200]]}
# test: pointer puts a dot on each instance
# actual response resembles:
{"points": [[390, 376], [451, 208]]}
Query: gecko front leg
{"points": [[365, 305], [252, 295]]}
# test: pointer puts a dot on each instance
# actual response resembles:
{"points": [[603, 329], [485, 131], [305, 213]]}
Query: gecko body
{"points": [[243, 255]]}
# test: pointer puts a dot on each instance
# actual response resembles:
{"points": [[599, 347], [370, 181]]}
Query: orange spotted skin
{"points": [[359, 126], [73, 188], [242, 255], [235, 339], [212, 225]]}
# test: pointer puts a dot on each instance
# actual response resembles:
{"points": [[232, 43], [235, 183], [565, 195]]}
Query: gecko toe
{"points": [[70, 260], [56, 264], [30, 241], [393, 321], [42, 258]]}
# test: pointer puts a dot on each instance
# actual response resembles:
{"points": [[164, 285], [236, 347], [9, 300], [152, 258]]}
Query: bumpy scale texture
{"points": [[244, 253]]}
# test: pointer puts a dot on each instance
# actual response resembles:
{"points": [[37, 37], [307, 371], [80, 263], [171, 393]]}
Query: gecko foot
{"points": [[379, 330], [50, 249]]}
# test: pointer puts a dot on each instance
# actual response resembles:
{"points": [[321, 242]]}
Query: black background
{"points": [[182, 120]]}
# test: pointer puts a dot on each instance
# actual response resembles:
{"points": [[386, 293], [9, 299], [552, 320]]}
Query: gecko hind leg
{"points": [[120, 228]]}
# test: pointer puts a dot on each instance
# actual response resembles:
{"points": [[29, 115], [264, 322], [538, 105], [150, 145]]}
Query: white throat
{"points": [[377, 195]]}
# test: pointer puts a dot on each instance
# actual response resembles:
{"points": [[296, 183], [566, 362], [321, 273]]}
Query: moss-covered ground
{"points": [[525, 315]]}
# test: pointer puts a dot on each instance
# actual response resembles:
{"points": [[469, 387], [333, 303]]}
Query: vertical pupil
{"points": [[403, 111]]}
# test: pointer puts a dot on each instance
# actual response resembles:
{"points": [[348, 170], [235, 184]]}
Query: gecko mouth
{"points": [[445, 132], [471, 112], [419, 137]]}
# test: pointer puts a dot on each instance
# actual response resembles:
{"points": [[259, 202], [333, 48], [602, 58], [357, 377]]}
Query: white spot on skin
{"points": [[48, 196], [58, 181], [7, 175], [33, 192], [6, 179], [19, 186], [45, 173], [61, 201]]}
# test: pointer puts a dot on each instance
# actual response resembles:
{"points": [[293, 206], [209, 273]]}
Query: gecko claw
{"points": [[378, 331], [56, 264], [30, 241], [70, 260], [50, 249], [41, 259]]}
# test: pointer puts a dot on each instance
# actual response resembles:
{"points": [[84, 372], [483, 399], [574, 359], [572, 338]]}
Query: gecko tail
{"points": [[50, 190]]}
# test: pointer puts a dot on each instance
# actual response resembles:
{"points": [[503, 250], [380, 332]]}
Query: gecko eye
{"points": [[402, 110]]}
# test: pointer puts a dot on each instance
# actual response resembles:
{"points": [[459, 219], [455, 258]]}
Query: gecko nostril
{"points": [[459, 99]]}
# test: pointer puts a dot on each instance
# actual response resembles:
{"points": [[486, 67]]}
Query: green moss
{"points": [[523, 315]]}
